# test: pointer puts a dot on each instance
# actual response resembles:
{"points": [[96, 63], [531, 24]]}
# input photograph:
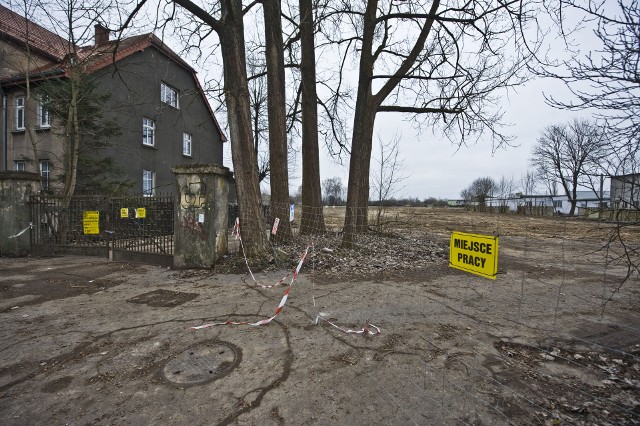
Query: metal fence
{"points": [[78, 226], [96, 225], [142, 224]]}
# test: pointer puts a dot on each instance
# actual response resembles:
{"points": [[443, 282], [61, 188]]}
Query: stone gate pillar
{"points": [[200, 223], [15, 216]]}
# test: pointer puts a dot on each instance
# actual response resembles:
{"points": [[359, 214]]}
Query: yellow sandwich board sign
{"points": [[91, 222], [477, 254]]}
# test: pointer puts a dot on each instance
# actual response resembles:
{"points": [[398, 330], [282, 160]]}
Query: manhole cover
{"points": [[163, 298], [202, 363]]}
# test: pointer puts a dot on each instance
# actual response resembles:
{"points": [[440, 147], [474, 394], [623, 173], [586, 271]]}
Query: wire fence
{"points": [[555, 339]]}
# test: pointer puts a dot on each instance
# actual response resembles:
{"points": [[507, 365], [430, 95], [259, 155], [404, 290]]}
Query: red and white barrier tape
{"points": [[236, 231], [363, 330], [296, 271]]}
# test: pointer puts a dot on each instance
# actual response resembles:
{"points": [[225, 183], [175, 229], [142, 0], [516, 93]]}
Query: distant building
{"points": [[625, 191], [160, 108], [548, 204], [455, 203], [585, 202]]}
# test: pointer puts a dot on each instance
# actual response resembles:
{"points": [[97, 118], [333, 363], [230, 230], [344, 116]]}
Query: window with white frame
{"points": [[186, 144], [557, 203], [148, 183], [169, 95], [20, 113], [148, 132], [20, 166], [45, 173], [44, 119]]}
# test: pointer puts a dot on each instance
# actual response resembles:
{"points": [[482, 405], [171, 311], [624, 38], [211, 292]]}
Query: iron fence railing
{"points": [[143, 224]]}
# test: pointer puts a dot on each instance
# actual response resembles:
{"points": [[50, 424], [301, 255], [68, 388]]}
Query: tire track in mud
{"points": [[263, 391]]}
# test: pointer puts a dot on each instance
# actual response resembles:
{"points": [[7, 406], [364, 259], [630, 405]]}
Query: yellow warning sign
{"points": [[124, 212], [477, 254], [141, 213], [91, 222]]}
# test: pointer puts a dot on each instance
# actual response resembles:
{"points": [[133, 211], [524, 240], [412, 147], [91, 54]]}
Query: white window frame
{"points": [[20, 113], [20, 165], [186, 144], [44, 117], [169, 95], [45, 173], [148, 183], [148, 132]]}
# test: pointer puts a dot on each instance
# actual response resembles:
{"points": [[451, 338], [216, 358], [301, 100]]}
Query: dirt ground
{"points": [[555, 339]]}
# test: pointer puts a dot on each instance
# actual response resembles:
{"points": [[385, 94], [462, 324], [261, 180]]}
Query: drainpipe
{"points": [[4, 132], [601, 191]]}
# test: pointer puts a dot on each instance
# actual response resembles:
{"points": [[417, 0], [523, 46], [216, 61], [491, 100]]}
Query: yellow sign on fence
{"points": [[141, 213], [91, 222], [477, 254], [124, 212]]}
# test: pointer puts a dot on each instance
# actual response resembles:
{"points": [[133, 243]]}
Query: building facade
{"points": [[625, 191], [153, 97]]}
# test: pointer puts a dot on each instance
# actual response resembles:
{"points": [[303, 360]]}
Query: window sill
{"points": [[43, 129], [18, 130], [171, 106], [149, 146], [187, 156]]}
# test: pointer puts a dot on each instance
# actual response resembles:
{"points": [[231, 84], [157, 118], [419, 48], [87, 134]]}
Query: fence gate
{"points": [[136, 229], [142, 229], [79, 227]]}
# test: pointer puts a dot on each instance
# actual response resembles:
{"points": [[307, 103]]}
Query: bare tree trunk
{"points": [[362, 140], [230, 30], [312, 214], [278, 155], [73, 144], [358, 188], [244, 158]]}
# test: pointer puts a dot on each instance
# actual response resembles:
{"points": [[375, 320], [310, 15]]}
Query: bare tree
{"points": [[276, 101], [606, 76], [387, 175], [504, 190], [333, 191], [229, 27], [571, 155], [259, 120], [529, 182], [479, 191], [312, 213], [415, 58], [69, 102]]}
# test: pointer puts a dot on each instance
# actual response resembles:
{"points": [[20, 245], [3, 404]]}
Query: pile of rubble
{"points": [[372, 253]]}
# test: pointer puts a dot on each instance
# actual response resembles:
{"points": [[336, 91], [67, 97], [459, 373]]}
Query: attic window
{"points": [[169, 95]]}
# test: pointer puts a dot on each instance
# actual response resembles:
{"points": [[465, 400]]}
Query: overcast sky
{"points": [[437, 168], [433, 165]]}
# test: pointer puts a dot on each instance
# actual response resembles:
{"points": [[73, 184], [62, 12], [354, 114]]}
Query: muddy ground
{"points": [[555, 339]]}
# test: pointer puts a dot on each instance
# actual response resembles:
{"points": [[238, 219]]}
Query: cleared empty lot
{"points": [[555, 338]]}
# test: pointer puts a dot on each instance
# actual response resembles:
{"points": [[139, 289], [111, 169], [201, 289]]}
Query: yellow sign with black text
{"points": [[91, 222], [477, 254]]}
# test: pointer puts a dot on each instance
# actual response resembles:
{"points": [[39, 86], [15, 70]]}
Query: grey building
{"points": [[155, 99], [625, 191]]}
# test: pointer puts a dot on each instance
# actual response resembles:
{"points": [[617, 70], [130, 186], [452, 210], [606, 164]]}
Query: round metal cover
{"points": [[202, 363]]}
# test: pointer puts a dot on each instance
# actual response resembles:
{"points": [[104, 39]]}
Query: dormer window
{"points": [[169, 95]]}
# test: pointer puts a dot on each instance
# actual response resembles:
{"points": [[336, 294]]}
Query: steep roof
{"points": [[20, 30], [94, 58]]}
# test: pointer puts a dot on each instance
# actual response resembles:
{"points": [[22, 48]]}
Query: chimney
{"points": [[102, 35]]}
